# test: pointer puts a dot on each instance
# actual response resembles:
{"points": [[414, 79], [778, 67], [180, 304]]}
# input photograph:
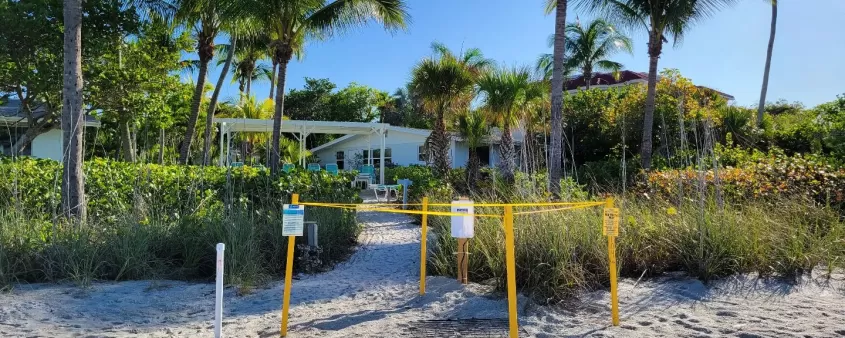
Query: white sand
{"points": [[375, 294]]}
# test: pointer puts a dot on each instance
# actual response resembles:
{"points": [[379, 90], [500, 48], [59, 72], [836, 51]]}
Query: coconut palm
{"points": [[212, 105], [556, 146], [473, 127], [661, 19], [248, 65], [761, 107], [445, 83], [589, 48], [503, 89], [290, 23], [207, 19]]}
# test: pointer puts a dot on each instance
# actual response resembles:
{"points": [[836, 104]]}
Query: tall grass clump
{"points": [[150, 222], [561, 253]]}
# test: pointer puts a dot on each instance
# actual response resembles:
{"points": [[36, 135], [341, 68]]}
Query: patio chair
{"points": [[288, 167], [313, 167], [332, 169], [366, 174], [386, 189]]}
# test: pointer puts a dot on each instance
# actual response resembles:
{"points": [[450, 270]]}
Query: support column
{"points": [[228, 147], [381, 158], [222, 134]]}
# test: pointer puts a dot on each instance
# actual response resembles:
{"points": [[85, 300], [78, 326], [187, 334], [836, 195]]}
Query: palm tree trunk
{"points": [[761, 107], [588, 76], [278, 113], [556, 149], [273, 79], [440, 140], [212, 105], [248, 83], [73, 184], [655, 45], [185, 149], [506, 149], [126, 138], [473, 169]]}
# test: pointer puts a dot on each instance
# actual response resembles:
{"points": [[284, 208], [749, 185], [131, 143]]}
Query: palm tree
{"points": [[503, 90], [444, 84], [212, 105], [73, 179], [207, 19], [248, 65], [660, 18], [473, 127], [589, 48], [556, 146], [762, 105], [290, 23]]}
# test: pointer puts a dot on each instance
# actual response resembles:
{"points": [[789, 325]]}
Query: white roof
{"points": [[389, 128], [298, 126]]}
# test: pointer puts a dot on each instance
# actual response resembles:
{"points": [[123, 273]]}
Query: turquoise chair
{"points": [[288, 167], [332, 169], [313, 167]]}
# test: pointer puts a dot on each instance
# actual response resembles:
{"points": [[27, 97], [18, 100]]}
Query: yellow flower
{"points": [[672, 211]]}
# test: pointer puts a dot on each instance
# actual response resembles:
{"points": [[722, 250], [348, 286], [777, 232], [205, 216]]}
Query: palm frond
{"points": [[341, 15]]}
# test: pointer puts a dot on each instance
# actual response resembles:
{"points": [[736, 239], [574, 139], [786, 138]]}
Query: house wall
{"points": [[48, 145], [460, 156], [404, 148]]}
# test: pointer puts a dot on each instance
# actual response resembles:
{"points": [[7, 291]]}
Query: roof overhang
{"points": [[300, 126], [18, 121]]}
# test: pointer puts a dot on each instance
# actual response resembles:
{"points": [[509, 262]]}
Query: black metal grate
{"points": [[486, 328]]}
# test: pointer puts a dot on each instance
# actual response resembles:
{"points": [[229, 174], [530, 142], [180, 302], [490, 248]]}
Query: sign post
{"points": [[463, 228], [423, 252], [218, 299], [510, 263], [610, 228], [293, 220]]}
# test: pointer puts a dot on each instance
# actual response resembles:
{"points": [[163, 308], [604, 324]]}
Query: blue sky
{"points": [[726, 51]]}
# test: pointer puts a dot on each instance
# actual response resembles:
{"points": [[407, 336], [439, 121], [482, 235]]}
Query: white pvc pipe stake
{"points": [[218, 306]]}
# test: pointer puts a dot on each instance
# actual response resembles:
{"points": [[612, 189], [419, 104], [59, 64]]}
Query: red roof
{"points": [[605, 79]]}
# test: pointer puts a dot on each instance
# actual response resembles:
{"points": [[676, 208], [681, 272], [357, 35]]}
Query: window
{"points": [[422, 154], [376, 159], [339, 159]]}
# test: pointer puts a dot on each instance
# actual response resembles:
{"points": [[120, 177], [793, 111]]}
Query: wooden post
{"points": [[423, 252], [463, 260], [288, 277], [510, 259]]}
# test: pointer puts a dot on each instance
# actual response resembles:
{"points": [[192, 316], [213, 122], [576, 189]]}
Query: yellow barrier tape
{"points": [[556, 209], [543, 204], [396, 211]]}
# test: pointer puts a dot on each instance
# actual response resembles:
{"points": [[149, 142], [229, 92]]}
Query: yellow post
{"points": [[611, 253], [288, 277], [511, 268], [423, 252]]}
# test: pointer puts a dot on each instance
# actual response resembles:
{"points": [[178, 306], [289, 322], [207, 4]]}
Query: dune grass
{"points": [[130, 247], [561, 253]]}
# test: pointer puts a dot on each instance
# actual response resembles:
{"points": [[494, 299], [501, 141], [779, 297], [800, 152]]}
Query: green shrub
{"points": [[151, 221], [773, 175]]}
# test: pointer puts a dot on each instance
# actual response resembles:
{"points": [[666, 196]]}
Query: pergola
{"points": [[301, 129]]}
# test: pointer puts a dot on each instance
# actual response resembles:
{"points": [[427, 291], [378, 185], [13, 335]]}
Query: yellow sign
{"points": [[611, 222]]}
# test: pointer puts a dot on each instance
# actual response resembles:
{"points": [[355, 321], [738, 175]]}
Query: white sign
{"points": [[293, 219], [463, 226]]}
